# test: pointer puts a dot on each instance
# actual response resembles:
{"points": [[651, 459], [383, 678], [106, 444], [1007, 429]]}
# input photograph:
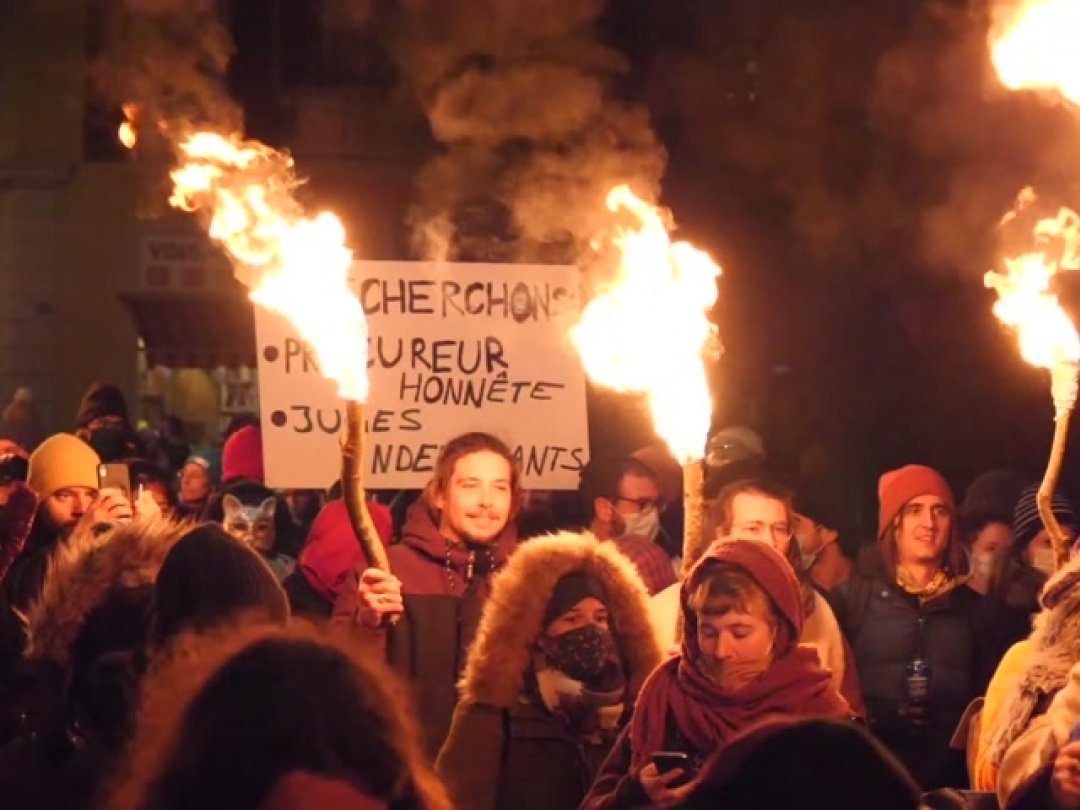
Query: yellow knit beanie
{"points": [[62, 461]]}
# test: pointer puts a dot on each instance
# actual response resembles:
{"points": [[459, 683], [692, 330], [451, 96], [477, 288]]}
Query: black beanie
{"points": [[1027, 522], [991, 498], [570, 590], [208, 577], [101, 399]]}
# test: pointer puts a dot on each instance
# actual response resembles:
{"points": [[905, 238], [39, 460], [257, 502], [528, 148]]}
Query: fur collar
{"points": [[501, 655], [1055, 647], [81, 572]]}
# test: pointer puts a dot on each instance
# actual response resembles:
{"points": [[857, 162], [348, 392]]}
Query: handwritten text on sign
{"points": [[452, 348]]}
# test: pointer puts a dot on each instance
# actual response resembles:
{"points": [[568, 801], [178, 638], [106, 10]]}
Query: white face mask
{"points": [[1044, 559], [982, 564], [643, 524]]}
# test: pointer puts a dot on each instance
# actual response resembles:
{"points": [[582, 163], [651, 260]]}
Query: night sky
{"points": [[846, 162]]}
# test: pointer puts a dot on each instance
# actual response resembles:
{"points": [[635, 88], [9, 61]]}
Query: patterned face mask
{"points": [[583, 654]]}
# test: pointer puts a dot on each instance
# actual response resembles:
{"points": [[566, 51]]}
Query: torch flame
{"points": [[650, 332], [1026, 302], [1033, 46], [295, 265], [128, 134]]}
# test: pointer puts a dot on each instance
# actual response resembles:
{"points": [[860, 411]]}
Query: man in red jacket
{"points": [[455, 537]]}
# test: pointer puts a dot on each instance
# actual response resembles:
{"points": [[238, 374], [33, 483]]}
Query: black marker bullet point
{"points": [[271, 353], [279, 418]]}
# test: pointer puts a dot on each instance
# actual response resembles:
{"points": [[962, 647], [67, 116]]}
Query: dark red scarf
{"points": [[708, 716]]}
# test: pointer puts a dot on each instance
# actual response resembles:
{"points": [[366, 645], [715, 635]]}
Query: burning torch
{"points": [[1048, 340], [294, 265], [650, 334], [1033, 47]]}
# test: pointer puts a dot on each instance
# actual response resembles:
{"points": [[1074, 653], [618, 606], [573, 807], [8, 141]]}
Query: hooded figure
{"points": [[455, 538], [74, 694], [232, 720], [563, 647], [742, 614], [1028, 692], [445, 588], [330, 556], [102, 421]]}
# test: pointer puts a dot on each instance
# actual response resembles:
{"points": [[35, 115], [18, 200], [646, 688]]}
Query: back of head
{"points": [[990, 498], [788, 763], [221, 727], [242, 455], [209, 578]]}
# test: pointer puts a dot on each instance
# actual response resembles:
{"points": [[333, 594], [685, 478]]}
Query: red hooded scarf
{"points": [[707, 715]]}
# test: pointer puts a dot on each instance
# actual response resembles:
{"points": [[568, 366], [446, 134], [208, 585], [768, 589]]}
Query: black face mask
{"points": [[583, 654], [111, 443]]}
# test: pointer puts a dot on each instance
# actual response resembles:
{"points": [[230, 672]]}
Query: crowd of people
{"points": [[195, 639]]}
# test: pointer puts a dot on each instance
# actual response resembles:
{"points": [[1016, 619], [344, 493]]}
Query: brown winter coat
{"points": [[77, 684], [504, 750], [82, 573]]}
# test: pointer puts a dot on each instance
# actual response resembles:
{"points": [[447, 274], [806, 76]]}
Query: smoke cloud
{"points": [[521, 96], [168, 57], [877, 137]]}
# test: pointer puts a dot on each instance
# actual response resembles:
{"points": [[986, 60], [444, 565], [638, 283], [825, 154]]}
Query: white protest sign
{"points": [[452, 348]]}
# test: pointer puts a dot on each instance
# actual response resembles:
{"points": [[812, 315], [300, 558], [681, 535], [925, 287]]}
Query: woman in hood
{"points": [[740, 661], [563, 647]]}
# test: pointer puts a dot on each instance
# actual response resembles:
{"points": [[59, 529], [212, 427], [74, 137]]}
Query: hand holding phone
{"points": [[669, 760], [115, 476], [666, 778]]}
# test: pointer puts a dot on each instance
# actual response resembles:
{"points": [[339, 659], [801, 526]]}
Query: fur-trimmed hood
{"points": [[512, 620], [1055, 647], [82, 572]]}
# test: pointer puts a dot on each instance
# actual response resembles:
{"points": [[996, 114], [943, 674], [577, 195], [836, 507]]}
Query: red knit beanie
{"points": [[242, 456], [897, 487]]}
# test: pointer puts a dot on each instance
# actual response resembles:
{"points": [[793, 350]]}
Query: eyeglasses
{"points": [[642, 504], [756, 530]]}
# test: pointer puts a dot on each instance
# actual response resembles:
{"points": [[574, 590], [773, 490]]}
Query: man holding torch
{"points": [[426, 608]]}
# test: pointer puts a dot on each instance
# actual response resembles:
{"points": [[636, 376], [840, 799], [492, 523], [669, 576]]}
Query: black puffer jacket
{"points": [[887, 629]]}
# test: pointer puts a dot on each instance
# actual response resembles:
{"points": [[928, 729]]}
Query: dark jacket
{"points": [[76, 688], [444, 590], [888, 629], [1003, 617], [617, 787], [505, 750], [20, 586]]}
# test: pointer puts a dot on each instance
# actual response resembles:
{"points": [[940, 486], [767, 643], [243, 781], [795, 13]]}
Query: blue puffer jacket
{"points": [[888, 628]]}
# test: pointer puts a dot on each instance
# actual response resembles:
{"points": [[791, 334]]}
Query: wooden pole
{"points": [[352, 487], [693, 514], [1063, 377]]}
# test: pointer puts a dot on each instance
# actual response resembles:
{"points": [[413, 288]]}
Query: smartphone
{"points": [[669, 760], [1074, 735], [115, 476]]}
